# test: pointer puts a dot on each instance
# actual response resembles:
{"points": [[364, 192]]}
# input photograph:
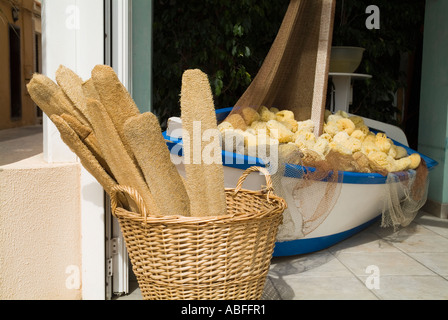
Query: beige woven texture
{"points": [[204, 258]]}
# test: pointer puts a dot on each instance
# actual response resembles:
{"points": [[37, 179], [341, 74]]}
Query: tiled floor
{"points": [[376, 264]]}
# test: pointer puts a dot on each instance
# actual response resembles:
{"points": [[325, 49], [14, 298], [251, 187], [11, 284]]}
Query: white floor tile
{"points": [[412, 288], [388, 263], [437, 262]]}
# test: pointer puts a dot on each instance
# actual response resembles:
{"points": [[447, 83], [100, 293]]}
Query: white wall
{"points": [[73, 36]]}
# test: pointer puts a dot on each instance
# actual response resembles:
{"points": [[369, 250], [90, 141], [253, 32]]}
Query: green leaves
{"points": [[226, 39], [400, 33]]}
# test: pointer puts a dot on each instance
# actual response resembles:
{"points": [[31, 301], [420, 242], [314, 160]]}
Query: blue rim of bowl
{"points": [[244, 162]]}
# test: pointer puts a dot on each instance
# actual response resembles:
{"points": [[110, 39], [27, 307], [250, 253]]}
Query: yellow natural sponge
{"points": [[237, 121], [306, 140], [401, 152], [331, 128], [383, 143], [341, 137], [346, 125], [266, 115], [358, 121], [358, 134], [259, 125], [291, 124], [278, 131], [307, 125], [415, 161], [339, 148], [284, 115], [382, 160], [322, 146], [402, 164], [223, 126], [353, 144], [249, 115]]}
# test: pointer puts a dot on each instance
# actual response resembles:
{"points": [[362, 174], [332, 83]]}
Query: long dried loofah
{"points": [[205, 182], [115, 98], [88, 160], [122, 166], [71, 84], [144, 135], [87, 136], [89, 90], [52, 99]]}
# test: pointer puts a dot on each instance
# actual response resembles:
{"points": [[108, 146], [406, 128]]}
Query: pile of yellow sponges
{"points": [[345, 136]]}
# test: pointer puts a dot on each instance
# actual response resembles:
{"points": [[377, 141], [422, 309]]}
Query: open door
{"points": [[128, 45], [117, 55]]}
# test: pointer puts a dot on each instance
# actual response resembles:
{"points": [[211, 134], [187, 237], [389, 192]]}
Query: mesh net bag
{"points": [[311, 187], [406, 193]]}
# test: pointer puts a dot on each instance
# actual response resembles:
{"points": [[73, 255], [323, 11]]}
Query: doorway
{"points": [[15, 66], [128, 50]]}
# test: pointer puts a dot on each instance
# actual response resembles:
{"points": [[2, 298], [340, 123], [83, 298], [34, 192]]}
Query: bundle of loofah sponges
{"points": [[118, 145]]}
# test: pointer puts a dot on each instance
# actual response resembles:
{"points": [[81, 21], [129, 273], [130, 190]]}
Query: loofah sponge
{"points": [[115, 98], [72, 85], [51, 99], [205, 182], [88, 160], [125, 171], [144, 135]]}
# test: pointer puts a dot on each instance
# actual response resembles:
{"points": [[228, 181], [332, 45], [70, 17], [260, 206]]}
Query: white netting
{"points": [[406, 193]]}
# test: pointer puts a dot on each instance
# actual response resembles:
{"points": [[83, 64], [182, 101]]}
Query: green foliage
{"points": [[229, 40], [226, 39], [400, 32]]}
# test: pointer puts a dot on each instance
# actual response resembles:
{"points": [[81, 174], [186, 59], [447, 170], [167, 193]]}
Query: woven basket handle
{"points": [[138, 204], [269, 189]]}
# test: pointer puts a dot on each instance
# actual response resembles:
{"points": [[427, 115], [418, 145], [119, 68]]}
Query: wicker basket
{"points": [[213, 258]]}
